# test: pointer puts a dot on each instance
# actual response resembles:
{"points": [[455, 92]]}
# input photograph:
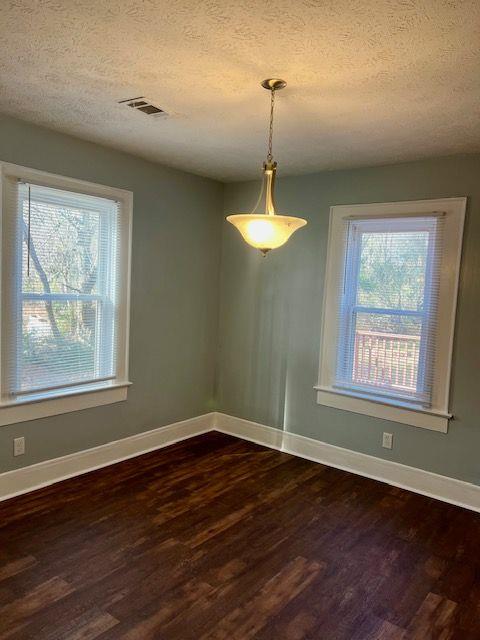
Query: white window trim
{"points": [[47, 404], [437, 417]]}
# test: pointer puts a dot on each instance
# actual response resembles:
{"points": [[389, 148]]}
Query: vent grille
{"points": [[144, 105]]}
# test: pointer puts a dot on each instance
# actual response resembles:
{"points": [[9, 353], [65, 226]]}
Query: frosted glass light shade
{"points": [[264, 231]]}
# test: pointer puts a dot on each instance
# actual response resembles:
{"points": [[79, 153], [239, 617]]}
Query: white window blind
{"points": [[388, 297], [61, 289]]}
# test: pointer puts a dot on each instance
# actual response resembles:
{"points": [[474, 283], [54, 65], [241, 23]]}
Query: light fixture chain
{"points": [[270, 135]]}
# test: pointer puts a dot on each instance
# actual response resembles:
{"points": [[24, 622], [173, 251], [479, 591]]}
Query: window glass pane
{"points": [[386, 351], [59, 341], [392, 269], [64, 248]]}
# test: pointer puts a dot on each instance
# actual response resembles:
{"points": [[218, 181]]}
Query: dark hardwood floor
{"points": [[217, 538]]}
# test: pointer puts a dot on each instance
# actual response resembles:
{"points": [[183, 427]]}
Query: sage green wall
{"points": [[271, 309], [174, 306]]}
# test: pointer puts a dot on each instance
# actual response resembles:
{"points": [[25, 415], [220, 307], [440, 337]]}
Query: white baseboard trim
{"points": [[458, 492], [42, 474], [26, 479]]}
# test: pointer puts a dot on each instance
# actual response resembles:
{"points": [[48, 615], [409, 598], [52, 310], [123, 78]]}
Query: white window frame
{"points": [[58, 401], [437, 416]]}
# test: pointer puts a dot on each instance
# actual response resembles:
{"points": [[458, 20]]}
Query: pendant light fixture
{"points": [[267, 230]]}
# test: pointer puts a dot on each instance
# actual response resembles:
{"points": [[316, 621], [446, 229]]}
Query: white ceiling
{"points": [[369, 81]]}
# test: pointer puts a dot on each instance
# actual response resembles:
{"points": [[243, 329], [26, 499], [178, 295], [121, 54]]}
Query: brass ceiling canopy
{"points": [[273, 84], [268, 230]]}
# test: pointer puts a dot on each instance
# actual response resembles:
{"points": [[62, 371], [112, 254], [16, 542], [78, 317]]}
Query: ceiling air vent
{"points": [[144, 105]]}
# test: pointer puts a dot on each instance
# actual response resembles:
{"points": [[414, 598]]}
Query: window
{"points": [[64, 294], [389, 310], [388, 305]]}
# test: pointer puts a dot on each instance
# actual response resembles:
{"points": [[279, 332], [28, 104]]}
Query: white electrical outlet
{"points": [[387, 442], [19, 446]]}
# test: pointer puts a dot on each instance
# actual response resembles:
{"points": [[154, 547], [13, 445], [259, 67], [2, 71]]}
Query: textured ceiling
{"points": [[369, 81]]}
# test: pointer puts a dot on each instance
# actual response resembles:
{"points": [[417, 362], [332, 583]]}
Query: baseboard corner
{"points": [[432, 485]]}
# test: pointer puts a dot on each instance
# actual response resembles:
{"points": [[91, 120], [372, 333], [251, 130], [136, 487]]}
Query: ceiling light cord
{"points": [[270, 135]]}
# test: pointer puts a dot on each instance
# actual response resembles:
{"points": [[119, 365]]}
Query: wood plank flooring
{"points": [[215, 538]]}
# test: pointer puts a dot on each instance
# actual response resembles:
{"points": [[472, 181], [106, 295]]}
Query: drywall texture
{"points": [[174, 307], [357, 72], [271, 309]]}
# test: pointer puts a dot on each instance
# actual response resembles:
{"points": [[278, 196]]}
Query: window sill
{"points": [[414, 416], [44, 405]]}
